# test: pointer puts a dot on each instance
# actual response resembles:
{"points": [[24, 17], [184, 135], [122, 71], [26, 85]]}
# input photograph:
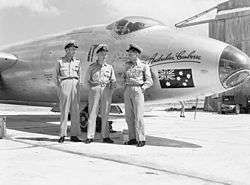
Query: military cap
{"points": [[101, 47], [70, 44], [135, 48]]}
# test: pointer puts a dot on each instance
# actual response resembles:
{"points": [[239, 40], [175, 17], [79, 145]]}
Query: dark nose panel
{"points": [[234, 67]]}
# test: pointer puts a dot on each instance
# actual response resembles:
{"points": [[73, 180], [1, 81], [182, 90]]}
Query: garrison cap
{"points": [[135, 48], [101, 47], [70, 44]]}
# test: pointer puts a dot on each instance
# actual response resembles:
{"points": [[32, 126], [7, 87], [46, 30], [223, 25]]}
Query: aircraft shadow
{"points": [[41, 124], [38, 139]]}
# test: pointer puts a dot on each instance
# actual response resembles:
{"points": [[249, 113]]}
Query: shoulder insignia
{"points": [[128, 62], [92, 65]]}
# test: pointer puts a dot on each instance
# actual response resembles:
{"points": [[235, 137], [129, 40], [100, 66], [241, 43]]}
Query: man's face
{"points": [[132, 54], [101, 56], [70, 52]]}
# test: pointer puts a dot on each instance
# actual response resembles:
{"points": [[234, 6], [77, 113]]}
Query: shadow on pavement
{"points": [[41, 124], [37, 139], [157, 141]]}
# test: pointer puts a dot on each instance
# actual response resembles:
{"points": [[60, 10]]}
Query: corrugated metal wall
{"points": [[233, 4], [232, 28], [217, 30]]}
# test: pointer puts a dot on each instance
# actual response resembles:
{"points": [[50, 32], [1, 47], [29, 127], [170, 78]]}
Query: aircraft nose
{"points": [[234, 67]]}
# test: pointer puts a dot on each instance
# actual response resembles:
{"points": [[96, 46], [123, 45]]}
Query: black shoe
{"points": [[112, 131], [75, 139], [61, 139], [107, 140], [131, 142], [141, 143], [89, 141]]}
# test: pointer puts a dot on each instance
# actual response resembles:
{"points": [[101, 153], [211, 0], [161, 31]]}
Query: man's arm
{"points": [[112, 79], [79, 68], [89, 77], [123, 75], [57, 74], [148, 78], [90, 81]]}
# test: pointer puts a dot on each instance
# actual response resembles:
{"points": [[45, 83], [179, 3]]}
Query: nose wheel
{"points": [[237, 109], [84, 120]]}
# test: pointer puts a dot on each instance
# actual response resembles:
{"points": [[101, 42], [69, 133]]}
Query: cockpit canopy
{"points": [[132, 24]]}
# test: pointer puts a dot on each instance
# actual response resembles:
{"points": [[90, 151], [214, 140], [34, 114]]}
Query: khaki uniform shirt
{"points": [[137, 74], [101, 75], [67, 69]]}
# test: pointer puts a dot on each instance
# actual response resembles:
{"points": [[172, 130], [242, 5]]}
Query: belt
{"points": [[103, 85], [69, 78], [100, 84], [134, 85]]}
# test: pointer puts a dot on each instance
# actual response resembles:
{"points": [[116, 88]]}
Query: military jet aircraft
{"points": [[182, 66]]}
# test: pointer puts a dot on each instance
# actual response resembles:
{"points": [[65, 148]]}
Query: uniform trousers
{"points": [[134, 110], [69, 97], [99, 98]]}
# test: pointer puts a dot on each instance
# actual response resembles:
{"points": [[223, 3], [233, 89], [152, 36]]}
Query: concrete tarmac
{"points": [[211, 149]]}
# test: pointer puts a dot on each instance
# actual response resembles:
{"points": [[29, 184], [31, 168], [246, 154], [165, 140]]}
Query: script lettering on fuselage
{"points": [[178, 57]]}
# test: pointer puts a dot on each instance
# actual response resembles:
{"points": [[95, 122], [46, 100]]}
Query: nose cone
{"points": [[234, 67]]}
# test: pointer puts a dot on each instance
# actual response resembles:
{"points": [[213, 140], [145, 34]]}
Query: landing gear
{"points": [[84, 119], [237, 109], [84, 115]]}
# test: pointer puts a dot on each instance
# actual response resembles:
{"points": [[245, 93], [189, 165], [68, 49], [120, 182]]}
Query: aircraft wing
{"points": [[7, 60]]}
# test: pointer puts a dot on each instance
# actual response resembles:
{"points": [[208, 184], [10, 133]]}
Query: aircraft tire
{"points": [[84, 115], [237, 109], [84, 120]]}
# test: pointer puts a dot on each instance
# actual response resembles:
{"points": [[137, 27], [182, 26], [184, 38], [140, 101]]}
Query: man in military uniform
{"points": [[67, 76], [101, 81], [137, 78]]}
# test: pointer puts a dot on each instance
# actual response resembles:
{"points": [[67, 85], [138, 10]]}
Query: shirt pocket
{"points": [[76, 68], [95, 76], [135, 73], [107, 74], [139, 72], [63, 70]]}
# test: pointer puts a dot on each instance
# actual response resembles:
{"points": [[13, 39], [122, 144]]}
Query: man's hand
{"points": [[91, 83], [58, 89], [112, 85], [143, 89]]}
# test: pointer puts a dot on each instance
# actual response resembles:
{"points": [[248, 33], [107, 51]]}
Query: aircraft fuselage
{"points": [[173, 57]]}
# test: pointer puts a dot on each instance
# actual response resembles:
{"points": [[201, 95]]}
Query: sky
{"points": [[29, 19]]}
